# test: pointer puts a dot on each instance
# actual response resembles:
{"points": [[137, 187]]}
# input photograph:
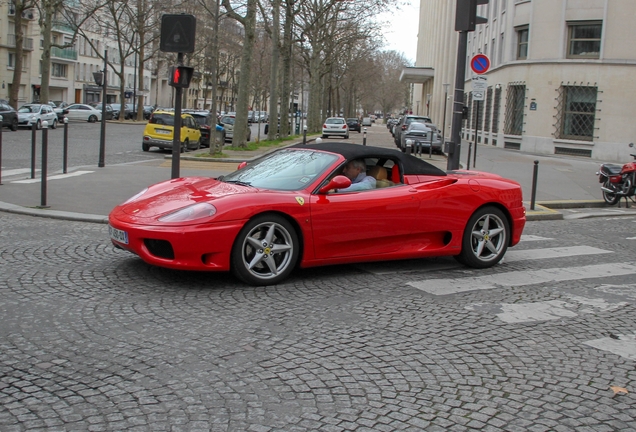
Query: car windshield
{"points": [[29, 109], [352, 120], [227, 120], [286, 170], [335, 121], [162, 119]]}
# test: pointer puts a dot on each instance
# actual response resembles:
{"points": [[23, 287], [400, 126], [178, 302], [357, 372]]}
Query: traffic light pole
{"points": [[176, 136], [458, 103]]}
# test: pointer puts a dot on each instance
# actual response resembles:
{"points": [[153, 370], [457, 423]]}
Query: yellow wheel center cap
{"points": [[486, 237], [267, 251]]}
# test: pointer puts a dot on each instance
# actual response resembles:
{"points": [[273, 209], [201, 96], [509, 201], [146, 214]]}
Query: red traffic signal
{"points": [[180, 76]]}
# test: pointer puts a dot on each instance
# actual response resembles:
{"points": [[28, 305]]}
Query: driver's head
{"points": [[353, 168]]}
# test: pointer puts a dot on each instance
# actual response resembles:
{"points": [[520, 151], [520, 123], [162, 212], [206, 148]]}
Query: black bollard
{"points": [[45, 145], [304, 134], [430, 147], [65, 162], [364, 137], [33, 139], [470, 149], [534, 184]]}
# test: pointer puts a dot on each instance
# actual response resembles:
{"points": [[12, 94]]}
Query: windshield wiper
{"points": [[239, 182]]}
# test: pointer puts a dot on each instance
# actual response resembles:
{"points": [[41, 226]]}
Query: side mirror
{"points": [[338, 182]]}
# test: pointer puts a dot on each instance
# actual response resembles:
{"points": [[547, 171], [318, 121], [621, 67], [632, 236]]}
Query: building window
{"points": [[522, 43], [11, 61], [515, 104], [584, 39], [488, 110], [496, 109], [58, 70], [576, 112]]}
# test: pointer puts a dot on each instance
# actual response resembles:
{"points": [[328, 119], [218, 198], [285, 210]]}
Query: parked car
{"points": [[84, 112], [9, 116], [206, 122], [160, 129], [109, 109], [421, 136], [244, 222], [354, 124], [366, 121], [335, 126], [390, 123], [227, 121], [35, 114], [403, 124], [128, 111]]}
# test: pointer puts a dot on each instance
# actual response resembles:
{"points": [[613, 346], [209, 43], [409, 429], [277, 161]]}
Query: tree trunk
{"points": [[273, 78], [19, 53]]}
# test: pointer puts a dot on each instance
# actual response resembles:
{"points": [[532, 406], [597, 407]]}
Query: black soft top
{"points": [[410, 165]]}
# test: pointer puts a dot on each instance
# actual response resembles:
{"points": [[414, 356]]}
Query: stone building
{"points": [[560, 78]]}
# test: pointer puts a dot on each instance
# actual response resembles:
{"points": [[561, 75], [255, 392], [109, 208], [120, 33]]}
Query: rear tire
{"points": [[485, 238], [14, 125], [54, 124], [145, 147], [610, 198], [92, 119]]}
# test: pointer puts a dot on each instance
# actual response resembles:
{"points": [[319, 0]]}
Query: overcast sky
{"points": [[401, 33]]}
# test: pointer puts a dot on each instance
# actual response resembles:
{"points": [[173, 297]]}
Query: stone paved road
{"points": [[93, 339]]}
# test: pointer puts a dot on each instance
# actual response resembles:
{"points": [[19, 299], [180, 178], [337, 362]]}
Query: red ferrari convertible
{"points": [[282, 211]]}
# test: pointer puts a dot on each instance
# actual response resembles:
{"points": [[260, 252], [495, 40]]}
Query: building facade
{"points": [[559, 80], [72, 68]]}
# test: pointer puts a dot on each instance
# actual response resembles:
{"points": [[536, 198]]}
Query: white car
{"points": [[35, 114], [366, 121], [83, 112], [335, 126]]}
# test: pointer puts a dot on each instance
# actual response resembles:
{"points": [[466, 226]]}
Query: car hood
{"points": [[27, 115], [173, 195]]}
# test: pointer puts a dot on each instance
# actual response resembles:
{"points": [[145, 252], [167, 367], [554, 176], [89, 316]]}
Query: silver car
{"points": [[335, 126], [421, 138], [35, 114]]}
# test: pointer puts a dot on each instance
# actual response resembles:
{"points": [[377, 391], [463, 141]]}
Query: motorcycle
{"points": [[618, 181]]}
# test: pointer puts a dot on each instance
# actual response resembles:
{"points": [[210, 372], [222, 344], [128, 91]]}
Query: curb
{"points": [[52, 214]]}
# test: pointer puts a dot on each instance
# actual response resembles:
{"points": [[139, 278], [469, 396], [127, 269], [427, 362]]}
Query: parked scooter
{"points": [[618, 181]]}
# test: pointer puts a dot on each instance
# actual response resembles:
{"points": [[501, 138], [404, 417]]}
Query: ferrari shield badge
{"points": [[300, 200]]}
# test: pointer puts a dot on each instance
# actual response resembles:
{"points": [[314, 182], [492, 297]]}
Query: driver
{"points": [[356, 171]]}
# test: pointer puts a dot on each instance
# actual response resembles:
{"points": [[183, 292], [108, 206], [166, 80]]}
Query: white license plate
{"points": [[118, 235], [162, 131]]}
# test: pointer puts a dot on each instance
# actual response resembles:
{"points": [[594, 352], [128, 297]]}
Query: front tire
{"points": [[485, 238], [54, 124], [92, 119], [14, 125], [265, 251], [610, 198]]}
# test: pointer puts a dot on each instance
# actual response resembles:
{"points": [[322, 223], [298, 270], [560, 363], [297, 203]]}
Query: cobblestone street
{"points": [[94, 339]]}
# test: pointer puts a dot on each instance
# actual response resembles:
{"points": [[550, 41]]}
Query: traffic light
{"points": [[464, 112], [180, 76], [466, 15]]}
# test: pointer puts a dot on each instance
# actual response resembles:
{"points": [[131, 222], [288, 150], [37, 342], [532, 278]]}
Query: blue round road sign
{"points": [[480, 64]]}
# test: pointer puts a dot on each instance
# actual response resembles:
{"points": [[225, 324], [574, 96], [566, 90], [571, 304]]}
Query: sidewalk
{"points": [[90, 193]]}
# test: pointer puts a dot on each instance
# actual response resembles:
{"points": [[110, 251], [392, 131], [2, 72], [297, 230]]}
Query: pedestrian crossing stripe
{"points": [[551, 253], [54, 177], [522, 278], [528, 237]]}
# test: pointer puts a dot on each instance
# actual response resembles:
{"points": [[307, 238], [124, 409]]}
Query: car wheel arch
{"points": [[294, 223], [465, 257]]}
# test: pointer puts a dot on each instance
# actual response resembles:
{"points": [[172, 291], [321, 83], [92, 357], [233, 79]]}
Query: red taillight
{"points": [[344, 127], [324, 126], [403, 127]]}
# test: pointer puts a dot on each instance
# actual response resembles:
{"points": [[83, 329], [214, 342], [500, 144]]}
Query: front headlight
{"points": [[34, 117], [190, 213], [134, 197], [409, 142]]}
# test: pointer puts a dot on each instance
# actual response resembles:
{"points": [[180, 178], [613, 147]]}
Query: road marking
{"points": [[55, 177], [547, 253], [624, 346], [528, 237], [18, 171], [522, 278]]}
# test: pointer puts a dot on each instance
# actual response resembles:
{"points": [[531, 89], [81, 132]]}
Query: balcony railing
{"points": [[64, 53], [62, 26], [27, 43]]}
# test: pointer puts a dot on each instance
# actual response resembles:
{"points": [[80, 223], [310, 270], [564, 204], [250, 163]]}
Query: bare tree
{"points": [[248, 21], [20, 6]]}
